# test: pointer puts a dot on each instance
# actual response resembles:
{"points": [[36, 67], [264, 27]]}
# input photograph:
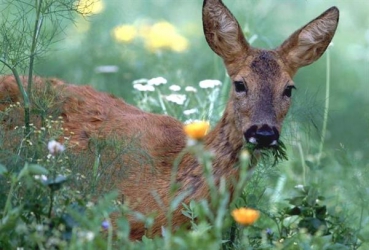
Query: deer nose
{"points": [[263, 136]]}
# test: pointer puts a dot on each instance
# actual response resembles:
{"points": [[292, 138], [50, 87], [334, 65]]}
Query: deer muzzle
{"points": [[263, 136]]}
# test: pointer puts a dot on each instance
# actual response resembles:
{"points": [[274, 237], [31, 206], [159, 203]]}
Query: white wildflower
{"points": [[55, 147], [209, 84], [40, 228], [191, 142], [106, 69], [300, 187], [141, 81], [190, 89], [176, 98], [150, 88], [87, 236], [157, 81], [143, 88], [40, 177], [189, 121], [175, 88], [190, 111], [90, 204], [90, 236]]}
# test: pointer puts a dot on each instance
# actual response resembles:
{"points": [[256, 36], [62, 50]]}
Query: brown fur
{"points": [[265, 73]]}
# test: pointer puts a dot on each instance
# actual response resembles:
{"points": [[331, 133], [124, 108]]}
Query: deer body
{"points": [[259, 101]]}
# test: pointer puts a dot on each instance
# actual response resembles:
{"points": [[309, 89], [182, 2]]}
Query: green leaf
{"points": [[312, 225], [337, 246], [312, 166], [35, 169], [312, 196], [56, 184], [321, 212], [294, 211], [178, 199], [124, 227], [3, 169], [9, 222], [297, 201]]}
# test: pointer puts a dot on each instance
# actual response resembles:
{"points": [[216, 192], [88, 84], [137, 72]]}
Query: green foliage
{"points": [[45, 208]]}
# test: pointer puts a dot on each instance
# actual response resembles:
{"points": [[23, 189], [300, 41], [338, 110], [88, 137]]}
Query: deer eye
{"points": [[288, 91], [239, 86]]}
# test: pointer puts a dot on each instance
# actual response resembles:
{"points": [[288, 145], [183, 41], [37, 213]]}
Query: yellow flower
{"points": [[125, 33], [163, 35], [179, 44], [245, 216], [197, 130], [89, 7]]}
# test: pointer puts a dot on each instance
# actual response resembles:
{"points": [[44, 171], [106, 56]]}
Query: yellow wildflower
{"points": [[125, 33], [163, 35], [179, 44], [144, 29], [197, 130], [245, 216], [89, 7]]}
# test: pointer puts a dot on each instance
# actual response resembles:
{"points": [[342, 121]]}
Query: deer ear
{"points": [[307, 44], [222, 31]]}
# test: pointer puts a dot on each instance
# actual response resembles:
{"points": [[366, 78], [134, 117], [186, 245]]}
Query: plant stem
{"points": [[162, 104], [326, 106], [96, 168], [36, 32], [10, 194], [26, 100], [110, 232], [51, 203], [303, 164], [243, 174], [172, 191], [14, 181]]}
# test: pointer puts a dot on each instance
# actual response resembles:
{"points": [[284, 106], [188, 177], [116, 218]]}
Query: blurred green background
{"points": [[90, 42]]}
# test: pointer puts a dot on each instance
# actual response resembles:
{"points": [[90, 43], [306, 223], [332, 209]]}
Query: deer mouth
{"points": [[263, 136]]}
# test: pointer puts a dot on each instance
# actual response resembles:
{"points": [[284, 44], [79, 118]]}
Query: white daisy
{"points": [[190, 89], [176, 98], [141, 81], [157, 81], [190, 111], [206, 84], [143, 88], [175, 88]]}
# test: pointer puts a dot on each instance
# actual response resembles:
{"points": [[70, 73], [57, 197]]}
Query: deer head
{"points": [[262, 79]]}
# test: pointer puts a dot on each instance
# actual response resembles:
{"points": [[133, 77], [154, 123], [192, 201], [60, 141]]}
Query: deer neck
{"points": [[225, 143]]}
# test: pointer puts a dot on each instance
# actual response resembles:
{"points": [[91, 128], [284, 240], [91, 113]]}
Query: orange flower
{"points": [[245, 216], [197, 130]]}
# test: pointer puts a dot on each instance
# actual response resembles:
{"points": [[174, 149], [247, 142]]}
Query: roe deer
{"points": [[259, 100]]}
